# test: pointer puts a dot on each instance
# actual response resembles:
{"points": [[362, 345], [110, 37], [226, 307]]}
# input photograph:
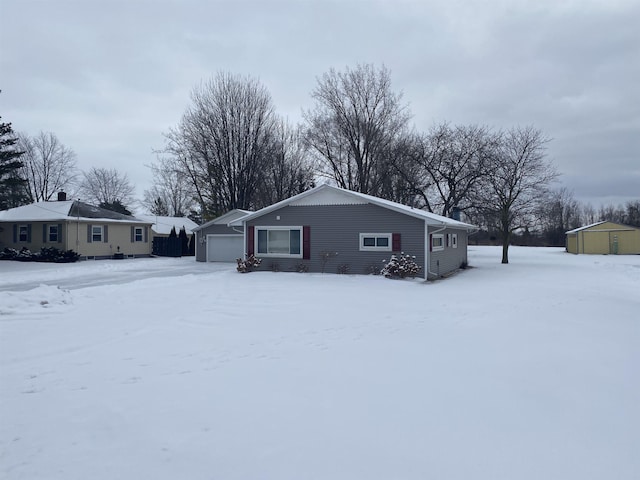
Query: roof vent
{"points": [[62, 196]]}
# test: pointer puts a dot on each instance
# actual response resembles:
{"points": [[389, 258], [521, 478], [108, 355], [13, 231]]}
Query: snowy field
{"points": [[523, 371]]}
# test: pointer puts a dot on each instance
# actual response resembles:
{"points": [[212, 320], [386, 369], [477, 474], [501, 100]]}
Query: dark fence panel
{"points": [[167, 247]]}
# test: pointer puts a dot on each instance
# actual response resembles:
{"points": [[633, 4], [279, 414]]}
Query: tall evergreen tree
{"points": [[12, 185]]}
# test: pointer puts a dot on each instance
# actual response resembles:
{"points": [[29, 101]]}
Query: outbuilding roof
{"points": [[63, 211], [162, 225], [331, 195], [619, 226]]}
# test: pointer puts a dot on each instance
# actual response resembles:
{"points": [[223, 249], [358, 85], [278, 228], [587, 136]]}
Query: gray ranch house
{"points": [[218, 241], [330, 229]]}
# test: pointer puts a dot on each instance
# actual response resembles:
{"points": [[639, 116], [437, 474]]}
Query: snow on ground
{"points": [[519, 371]]}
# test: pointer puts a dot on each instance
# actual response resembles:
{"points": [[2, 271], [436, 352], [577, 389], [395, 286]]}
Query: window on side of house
{"points": [[23, 233], [279, 241], [53, 233], [96, 233], [454, 240], [137, 236], [380, 242], [437, 242]]}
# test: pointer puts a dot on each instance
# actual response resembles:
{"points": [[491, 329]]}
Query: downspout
{"points": [[444, 227]]}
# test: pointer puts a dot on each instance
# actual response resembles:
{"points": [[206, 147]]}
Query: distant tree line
{"points": [[232, 150]]}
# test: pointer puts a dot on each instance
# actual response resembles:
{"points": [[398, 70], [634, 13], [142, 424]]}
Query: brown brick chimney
{"points": [[62, 196]]}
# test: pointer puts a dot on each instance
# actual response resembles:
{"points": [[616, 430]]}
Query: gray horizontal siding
{"points": [[449, 259], [335, 229]]}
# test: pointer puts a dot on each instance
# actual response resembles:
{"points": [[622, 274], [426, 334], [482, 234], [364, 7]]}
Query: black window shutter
{"points": [[29, 233], [44, 233], [396, 243], [89, 236], [306, 242], [105, 232], [15, 233], [146, 234], [59, 233], [133, 234]]}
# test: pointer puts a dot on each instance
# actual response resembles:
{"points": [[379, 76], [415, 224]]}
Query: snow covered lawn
{"points": [[523, 371]]}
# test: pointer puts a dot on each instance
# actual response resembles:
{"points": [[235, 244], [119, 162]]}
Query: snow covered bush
{"points": [[24, 255], [8, 254], [245, 266], [401, 266]]}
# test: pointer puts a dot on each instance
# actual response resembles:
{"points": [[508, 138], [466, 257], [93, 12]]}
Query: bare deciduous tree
{"points": [[288, 171], [455, 160], [171, 193], [352, 129], [518, 180], [48, 166], [106, 186], [223, 141], [559, 213]]}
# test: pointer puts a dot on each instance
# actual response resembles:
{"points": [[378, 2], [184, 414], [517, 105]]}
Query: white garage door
{"points": [[224, 248]]}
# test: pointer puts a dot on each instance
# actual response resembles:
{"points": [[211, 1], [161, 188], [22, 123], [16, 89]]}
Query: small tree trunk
{"points": [[506, 238], [505, 250]]}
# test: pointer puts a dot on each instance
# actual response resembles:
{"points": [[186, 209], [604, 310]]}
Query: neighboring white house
{"points": [[161, 226]]}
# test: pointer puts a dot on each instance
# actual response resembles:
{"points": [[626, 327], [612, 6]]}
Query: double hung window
{"points": [[279, 241]]}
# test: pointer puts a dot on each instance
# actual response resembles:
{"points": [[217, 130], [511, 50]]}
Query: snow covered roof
{"points": [[63, 211], [331, 195], [162, 225], [231, 216], [586, 227]]}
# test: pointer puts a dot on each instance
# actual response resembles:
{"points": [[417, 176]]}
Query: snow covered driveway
{"points": [[18, 276], [520, 371]]}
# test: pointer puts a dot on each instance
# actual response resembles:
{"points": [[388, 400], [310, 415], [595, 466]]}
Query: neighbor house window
{"points": [[53, 233], [96, 233], [454, 240], [23, 233], [437, 242], [380, 242], [138, 234], [279, 241]]}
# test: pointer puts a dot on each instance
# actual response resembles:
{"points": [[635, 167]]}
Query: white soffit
{"points": [[328, 197]]}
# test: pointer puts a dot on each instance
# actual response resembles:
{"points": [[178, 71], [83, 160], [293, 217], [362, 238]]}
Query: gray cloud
{"points": [[109, 78]]}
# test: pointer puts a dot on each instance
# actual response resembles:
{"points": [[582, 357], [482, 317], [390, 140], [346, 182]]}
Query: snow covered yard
{"points": [[521, 371]]}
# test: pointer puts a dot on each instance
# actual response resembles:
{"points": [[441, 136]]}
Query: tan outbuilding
{"points": [[604, 238]]}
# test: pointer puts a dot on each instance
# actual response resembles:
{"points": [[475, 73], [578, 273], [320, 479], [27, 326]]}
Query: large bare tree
{"points": [[288, 171], [353, 127], [48, 165], [518, 180], [107, 187], [223, 142], [171, 192], [455, 159]]}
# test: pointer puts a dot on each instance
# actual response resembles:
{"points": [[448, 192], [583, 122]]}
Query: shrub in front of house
{"points": [[247, 265], [8, 254], [401, 266], [46, 254]]}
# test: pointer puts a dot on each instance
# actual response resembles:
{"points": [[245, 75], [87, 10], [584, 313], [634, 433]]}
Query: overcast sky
{"points": [[109, 77]]}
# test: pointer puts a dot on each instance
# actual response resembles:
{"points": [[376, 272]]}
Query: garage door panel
{"points": [[224, 248]]}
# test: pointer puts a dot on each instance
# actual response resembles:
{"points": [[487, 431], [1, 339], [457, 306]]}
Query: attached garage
{"points": [[217, 241], [224, 248], [604, 238]]}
